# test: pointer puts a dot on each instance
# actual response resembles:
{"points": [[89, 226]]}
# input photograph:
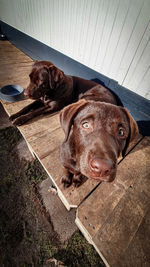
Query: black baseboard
{"points": [[138, 105]]}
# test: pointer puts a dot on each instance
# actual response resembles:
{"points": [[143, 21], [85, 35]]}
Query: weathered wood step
{"points": [[42, 134]]}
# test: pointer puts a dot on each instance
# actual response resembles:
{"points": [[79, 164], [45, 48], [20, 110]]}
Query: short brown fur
{"points": [[96, 134], [52, 90]]}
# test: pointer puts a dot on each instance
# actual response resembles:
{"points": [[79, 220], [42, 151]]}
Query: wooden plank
{"points": [[14, 57], [97, 207], [119, 230], [15, 65], [15, 74], [111, 216], [6, 46], [39, 126], [14, 107], [46, 143], [11, 54], [128, 172], [138, 250], [36, 127]]}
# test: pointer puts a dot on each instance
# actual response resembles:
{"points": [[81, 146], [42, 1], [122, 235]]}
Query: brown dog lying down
{"points": [[96, 133], [52, 90]]}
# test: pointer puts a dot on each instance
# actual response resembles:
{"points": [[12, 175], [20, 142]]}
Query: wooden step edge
{"points": [[89, 238], [30, 149], [64, 200], [83, 229], [60, 194]]}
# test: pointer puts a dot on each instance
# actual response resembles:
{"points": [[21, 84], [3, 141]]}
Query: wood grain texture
{"points": [[15, 65], [138, 250]]}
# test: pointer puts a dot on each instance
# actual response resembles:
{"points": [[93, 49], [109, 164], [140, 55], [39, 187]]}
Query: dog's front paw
{"points": [[66, 181], [18, 121], [13, 117], [77, 180]]}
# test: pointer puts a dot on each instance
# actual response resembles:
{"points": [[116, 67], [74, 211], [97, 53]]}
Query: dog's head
{"points": [[99, 132], [45, 78]]}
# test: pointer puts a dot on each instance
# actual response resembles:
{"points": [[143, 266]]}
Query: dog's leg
{"points": [[66, 178], [32, 114], [77, 179], [36, 104]]}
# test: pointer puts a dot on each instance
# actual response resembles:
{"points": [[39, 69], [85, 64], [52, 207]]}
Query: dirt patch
{"points": [[27, 236], [23, 227]]}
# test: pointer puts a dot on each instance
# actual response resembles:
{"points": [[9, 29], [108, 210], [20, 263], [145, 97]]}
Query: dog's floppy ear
{"points": [[55, 76], [68, 114], [134, 135]]}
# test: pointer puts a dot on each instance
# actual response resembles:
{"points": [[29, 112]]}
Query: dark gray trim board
{"points": [[138, 106]]}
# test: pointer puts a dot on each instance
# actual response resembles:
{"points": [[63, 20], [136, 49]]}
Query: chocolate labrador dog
{"points": [[51, 89], [96, 131]]}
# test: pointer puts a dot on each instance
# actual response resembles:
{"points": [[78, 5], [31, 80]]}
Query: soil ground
{"points": [[27, 234]]}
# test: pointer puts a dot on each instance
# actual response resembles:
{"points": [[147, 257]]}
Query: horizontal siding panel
{"points": [[135, 40], [110, 36], [139, 64], [119, 22], [97, 35], [127, 31], [94, 12], [107, 30]]}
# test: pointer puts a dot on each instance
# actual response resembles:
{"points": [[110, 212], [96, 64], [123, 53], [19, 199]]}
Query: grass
{"points": [[27, 238]]}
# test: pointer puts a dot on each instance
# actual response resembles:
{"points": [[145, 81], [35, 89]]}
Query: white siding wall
{"points": [[110, 36]]}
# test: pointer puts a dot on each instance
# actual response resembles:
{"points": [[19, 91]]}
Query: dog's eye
{"points": [[86, 125], [121, 132]]}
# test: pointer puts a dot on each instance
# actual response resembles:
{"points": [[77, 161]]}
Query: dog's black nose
{"points": [[102, 167]]}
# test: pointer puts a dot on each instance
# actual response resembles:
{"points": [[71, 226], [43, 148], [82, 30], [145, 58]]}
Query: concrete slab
{"points": [[23, 151], [63, 220]]}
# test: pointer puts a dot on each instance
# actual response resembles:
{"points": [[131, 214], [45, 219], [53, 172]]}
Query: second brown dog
{"points": [[52, 90]]}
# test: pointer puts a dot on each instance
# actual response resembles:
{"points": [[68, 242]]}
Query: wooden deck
{"points": [[114, 217]]}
